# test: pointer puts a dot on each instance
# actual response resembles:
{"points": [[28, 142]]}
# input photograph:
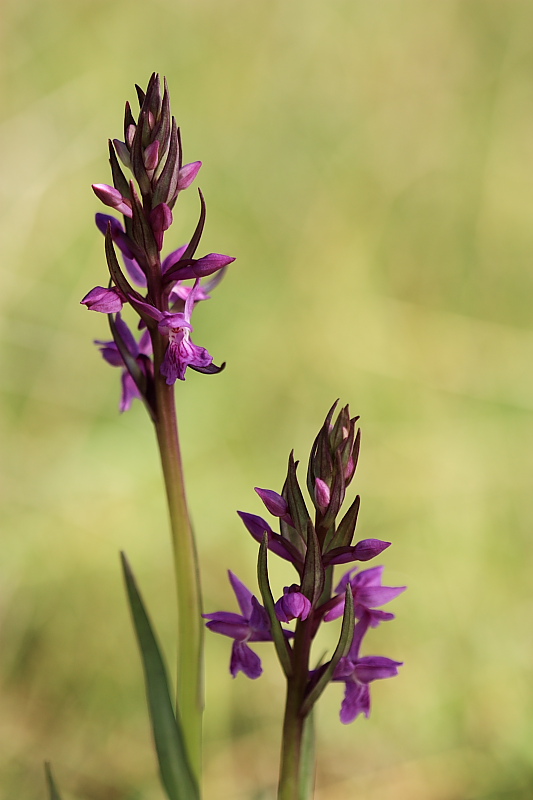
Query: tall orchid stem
{"points": [[294, 779], [189, 695]]}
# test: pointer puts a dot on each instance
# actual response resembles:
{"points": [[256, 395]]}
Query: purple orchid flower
{"points": [[357, 672], [251, 625], [368, 593], [181, 351], [140, 351]]}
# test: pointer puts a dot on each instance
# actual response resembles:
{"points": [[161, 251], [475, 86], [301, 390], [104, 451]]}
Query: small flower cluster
{"points": [[167, 290], [314, 547]]}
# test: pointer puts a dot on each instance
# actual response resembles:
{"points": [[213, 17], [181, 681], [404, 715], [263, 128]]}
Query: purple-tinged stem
{"points": [[293, 782], [189, 695]]}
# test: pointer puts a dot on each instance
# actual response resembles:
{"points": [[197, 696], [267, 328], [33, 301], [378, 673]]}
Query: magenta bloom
{"points": [[181, 351], [358, 671], [368, 594], [152, 153], [140, 351], [251, 625]]}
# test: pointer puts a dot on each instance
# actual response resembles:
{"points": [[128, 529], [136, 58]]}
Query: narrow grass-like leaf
{"points": [[343, 646], [53, 791], [282, 646], [174, 767]]}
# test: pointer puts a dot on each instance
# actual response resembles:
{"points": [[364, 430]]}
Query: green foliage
{"points": [[176, 773]]}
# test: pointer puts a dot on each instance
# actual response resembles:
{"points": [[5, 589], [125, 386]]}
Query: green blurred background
{"points": [[370, 164]]}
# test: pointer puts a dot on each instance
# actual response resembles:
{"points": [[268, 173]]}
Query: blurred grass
{"points": [[371, 166]]}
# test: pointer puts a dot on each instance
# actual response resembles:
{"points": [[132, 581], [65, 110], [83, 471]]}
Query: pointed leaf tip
{"points": [[174, 766], [53, 791]]}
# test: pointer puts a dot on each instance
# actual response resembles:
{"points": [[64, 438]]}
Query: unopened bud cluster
{"points": [[163, 292]]}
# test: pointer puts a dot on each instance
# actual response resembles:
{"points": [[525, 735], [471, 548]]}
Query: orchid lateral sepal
{"points": [[281, 644], [343, 647], [197, 235], [120, 280], [143, 382]]}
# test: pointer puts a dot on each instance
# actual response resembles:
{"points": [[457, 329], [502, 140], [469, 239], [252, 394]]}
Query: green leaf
{"points": [[53, 791], [343, 646], [282, 646], [174, 767]]}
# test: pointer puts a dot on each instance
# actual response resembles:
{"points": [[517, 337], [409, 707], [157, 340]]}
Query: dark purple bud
{"points": [[322, 494], [122, 152], [187, 174], [151, 155], [161, 220], [362, 551], [112, 197], [130, 134], [369, 548], [274, 502], [108, 301], [292, 604], [257, 526], [211, 263]]}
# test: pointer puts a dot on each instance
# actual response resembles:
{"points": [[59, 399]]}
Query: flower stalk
{"points": [[189, 689], [163, 293], [293, 781]]}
